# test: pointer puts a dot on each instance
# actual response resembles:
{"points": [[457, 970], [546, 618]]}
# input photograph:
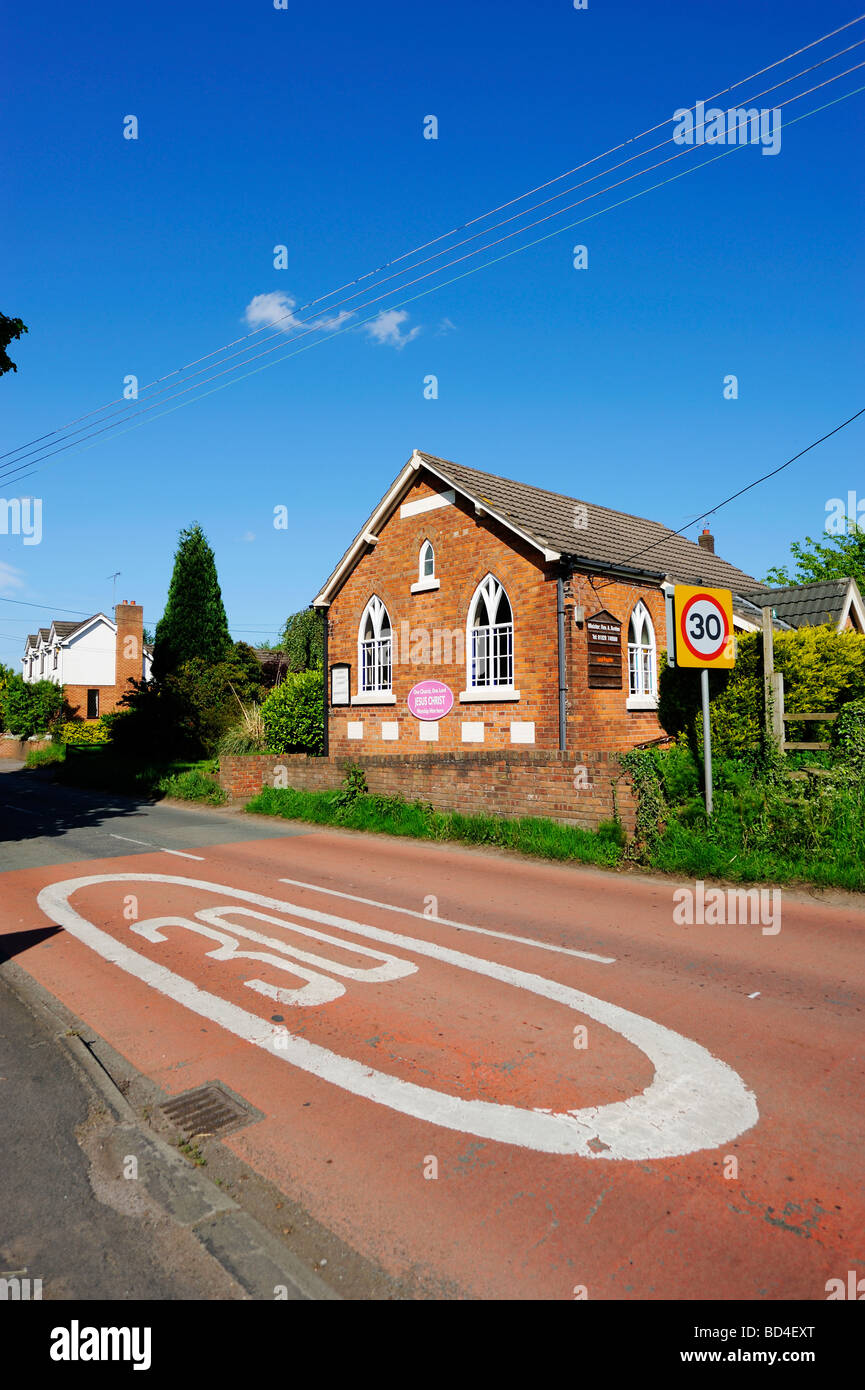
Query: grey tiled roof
{"points": [[66, 629], [805, 605], [610, 538]]}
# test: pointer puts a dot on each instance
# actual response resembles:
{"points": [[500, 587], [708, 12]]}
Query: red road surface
{"points": [[772, 1211]]}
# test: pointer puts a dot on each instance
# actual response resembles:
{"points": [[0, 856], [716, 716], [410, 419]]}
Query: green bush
{"points": [[822, 670], [30, 708], [848, 736], [92, 734], [193, 785], [293, 714]]}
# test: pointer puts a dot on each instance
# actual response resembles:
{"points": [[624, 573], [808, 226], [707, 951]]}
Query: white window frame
{"points": [[426, 582], [642, 660], [498, 636], [374, 654]]}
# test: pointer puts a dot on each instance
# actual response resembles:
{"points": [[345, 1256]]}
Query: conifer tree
{"points": [[194, 622]]}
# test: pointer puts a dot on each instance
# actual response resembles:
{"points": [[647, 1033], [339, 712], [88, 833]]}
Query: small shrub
{"points": [[293, 714], [193, 785], [84, 735], [248, 735]]}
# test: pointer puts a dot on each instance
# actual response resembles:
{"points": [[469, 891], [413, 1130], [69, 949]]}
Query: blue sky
{"points": [[304, 127]]}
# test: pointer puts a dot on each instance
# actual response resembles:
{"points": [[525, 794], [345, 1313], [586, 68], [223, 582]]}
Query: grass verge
{"points": [[391, 815], [103, 770]]}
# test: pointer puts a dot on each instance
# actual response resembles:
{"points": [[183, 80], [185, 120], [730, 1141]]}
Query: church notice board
{"points": [[604, 633]]}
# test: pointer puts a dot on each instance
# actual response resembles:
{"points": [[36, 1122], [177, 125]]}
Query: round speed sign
{"points": [[703, 627]]}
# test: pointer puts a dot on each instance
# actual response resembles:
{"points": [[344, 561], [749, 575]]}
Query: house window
{"points": [[427, 566], [642, 657], [374, 648], [491, 638], [93, 704], [54, 663]]}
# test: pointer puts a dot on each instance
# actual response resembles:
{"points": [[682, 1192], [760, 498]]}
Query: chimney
{"points": [[129, 656], [706, 540]]}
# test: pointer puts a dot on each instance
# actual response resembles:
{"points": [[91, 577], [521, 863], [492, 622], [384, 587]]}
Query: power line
{"points": [[82, 445], [320, 324], [741, 491], [444, 236]]}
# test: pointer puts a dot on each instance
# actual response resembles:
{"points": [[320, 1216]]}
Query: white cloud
{"points": [[387, 328], [277, 309], [249, 535], [10, 578], [446, 326]]}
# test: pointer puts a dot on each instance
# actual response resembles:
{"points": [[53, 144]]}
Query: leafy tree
{"points": [[30, 708], [303, 640], [833, 557], [187, 711], [194, 624], [9, 329]]}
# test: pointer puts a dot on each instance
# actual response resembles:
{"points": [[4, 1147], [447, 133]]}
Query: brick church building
{"points": [[475, 612]]}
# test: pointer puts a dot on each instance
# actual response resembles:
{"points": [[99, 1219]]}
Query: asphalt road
{"points": [[488, 1077]]}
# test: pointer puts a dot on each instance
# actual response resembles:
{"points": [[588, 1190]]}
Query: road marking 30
{"points": [[460, 926], [695, 1101]]}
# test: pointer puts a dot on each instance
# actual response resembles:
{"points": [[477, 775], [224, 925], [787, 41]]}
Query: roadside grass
{"points": [[44, 757], [391, 815], [103, 770], [761, 832]]}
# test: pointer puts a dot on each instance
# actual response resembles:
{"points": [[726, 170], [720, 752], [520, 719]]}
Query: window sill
{"points": [[375, 697], [488, 694], [642, 702], [425, 586]]}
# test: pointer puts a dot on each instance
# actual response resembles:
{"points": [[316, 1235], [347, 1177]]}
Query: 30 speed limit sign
{"points": [[704, 627]]}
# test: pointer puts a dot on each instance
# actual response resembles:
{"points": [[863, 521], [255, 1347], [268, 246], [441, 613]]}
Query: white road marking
{"points": [[446, 922], [694, 1101], [320, 988], [160, 850]]}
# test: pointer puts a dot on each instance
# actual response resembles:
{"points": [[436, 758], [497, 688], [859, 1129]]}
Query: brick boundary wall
{"points": [[11, 747], [529, 782]]}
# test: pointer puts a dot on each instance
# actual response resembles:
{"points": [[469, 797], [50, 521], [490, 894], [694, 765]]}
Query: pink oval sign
{"points": [[430, 700]]}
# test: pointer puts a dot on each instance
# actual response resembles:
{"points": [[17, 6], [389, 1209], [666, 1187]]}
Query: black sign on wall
{"points": [[604, 635]]}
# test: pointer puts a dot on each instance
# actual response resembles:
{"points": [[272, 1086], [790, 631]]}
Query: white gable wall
{"points": [[88, 659]]}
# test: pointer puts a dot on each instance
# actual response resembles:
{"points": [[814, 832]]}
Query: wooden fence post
{"points": [[773, 685]]}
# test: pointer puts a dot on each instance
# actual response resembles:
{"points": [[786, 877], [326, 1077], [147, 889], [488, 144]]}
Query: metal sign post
{"points": [[707, 738], [704, 638]]}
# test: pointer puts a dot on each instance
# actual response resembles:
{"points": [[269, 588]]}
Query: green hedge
{"points": [[822, 671], [30, 708], [293, 714]]}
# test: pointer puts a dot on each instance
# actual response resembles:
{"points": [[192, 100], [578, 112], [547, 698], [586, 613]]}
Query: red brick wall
{"points": [[19, 748], [467, 548], [516, 782]]}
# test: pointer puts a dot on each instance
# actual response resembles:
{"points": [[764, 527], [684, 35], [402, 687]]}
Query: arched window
{"points": [[374, 648], [490, 645], [642, 657], [427, 562]]}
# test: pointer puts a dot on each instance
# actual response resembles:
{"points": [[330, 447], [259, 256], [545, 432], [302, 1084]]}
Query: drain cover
{"points": [[209, 1109]]}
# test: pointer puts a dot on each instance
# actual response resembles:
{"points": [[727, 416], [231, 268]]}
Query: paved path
{"points": [[494, 1078]]}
